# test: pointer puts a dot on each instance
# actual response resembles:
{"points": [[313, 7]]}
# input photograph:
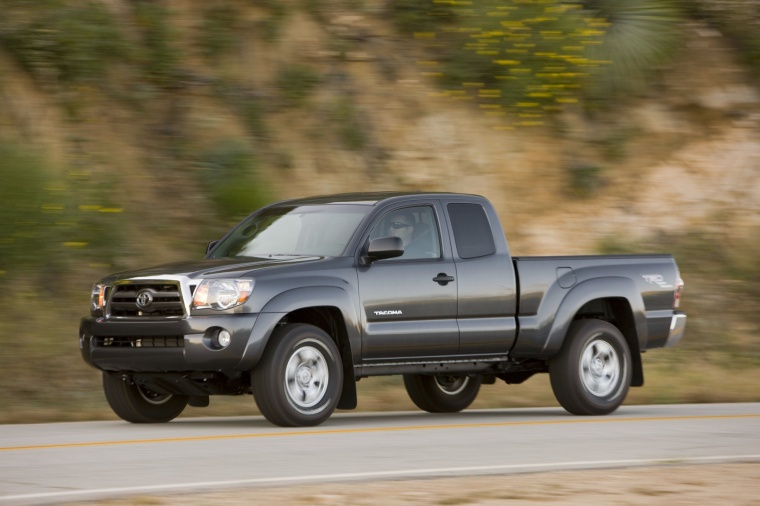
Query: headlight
{"points": [[98, 299], [222, 293]]}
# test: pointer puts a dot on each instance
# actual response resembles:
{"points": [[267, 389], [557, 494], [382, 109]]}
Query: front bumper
{"points": [[139, 344], [677, 327]]}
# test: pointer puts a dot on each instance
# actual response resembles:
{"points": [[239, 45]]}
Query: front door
{"points": [[410, 302]]}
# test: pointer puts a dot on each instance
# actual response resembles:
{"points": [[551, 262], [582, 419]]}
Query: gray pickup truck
{"points": [[305, 297]]}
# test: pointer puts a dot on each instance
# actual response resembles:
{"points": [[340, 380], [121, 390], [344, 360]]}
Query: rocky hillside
{"points": [[335, 99]]}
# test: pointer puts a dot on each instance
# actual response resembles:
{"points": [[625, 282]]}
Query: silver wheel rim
{"points": [[152, 397], [306, 377], [452, 385], [600, 369]]}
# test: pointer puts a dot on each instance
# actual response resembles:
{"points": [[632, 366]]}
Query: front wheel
{"points": [[136, 403], [299, 379], [442, 393], [592, 373]]}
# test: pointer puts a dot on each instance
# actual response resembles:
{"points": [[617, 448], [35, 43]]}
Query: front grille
{"points": [[140, 342], [146, 300]]}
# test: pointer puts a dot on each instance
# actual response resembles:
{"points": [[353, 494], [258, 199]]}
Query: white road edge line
{"points": [[432, 472]]}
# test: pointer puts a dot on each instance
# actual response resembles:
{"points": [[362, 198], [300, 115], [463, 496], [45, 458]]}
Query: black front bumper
{"points": [[143, 345]]}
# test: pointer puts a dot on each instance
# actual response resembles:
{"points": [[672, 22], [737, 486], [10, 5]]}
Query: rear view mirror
{"points": [[210, 246]]}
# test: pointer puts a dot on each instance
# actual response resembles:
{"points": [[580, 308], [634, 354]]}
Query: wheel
{"points": [[299, 379], [592, 373], [442, 393], [137, 404]]}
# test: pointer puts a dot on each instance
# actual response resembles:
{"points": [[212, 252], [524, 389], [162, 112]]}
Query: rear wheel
{"points": [[299, 379], [442, 393], [592, 373], [136, 403]]}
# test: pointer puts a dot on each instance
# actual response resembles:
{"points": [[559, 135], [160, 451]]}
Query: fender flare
{"points": [[292, 300], [581, 294]]}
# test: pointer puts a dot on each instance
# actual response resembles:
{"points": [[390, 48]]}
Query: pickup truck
{"points": [[305, 297]]}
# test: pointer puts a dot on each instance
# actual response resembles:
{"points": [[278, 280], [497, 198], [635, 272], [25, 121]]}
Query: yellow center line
{"points": [[317, 432]]}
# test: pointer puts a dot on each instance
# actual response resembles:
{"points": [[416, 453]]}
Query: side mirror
{"points": [[384, 247], [210, 246]]}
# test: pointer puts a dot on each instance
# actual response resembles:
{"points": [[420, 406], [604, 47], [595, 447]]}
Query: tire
{"points": [[137, 404], [591, 375], [299, 379], [442, 393]]}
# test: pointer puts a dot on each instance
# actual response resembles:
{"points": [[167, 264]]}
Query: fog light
{"points": [[223, 338]]}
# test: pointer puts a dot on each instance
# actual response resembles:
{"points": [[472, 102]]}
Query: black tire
{"points": [[299, 379], [442, 393], [135, 403], [591, 375]]}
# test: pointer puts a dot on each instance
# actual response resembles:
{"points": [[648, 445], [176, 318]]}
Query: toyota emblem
{"points": [[144, 299]]}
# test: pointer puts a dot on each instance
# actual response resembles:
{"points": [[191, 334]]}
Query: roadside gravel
{"points": [[673, 485]]}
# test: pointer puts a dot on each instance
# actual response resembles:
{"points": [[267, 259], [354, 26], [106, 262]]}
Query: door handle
{"points": [[443, 279]]}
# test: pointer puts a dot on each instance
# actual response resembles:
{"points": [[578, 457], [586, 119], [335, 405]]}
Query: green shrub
{"points": [[640, 36], [158, 57], [247, 103], [524, 59], [585, 180], [230, 170], [253, 116], [27, 208], [50, 221], [516, 59], [612, 139], [417, 16], [296, 83], [70, 42], [269, 26], [346, 118], [218, 34]]}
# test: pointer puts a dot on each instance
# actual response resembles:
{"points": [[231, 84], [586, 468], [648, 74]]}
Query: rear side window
{"points": [[472, 232]]}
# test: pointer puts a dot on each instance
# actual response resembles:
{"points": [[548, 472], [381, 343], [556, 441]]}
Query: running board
{"points": [[472, 366]]}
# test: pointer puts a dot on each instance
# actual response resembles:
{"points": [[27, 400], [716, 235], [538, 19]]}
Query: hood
{"points": [[214, 267]]}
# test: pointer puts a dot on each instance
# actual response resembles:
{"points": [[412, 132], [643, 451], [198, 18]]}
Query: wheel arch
{"points": [[335, 314], [612, 299]]}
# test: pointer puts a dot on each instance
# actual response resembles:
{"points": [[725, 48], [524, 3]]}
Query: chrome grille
{"points": [[135, 300]]}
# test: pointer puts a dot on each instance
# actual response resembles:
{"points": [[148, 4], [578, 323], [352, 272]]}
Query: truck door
{"points": [[409, 303], [487, 296]]}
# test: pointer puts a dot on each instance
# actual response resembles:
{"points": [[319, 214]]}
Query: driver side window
{"points": [[417, 228]]}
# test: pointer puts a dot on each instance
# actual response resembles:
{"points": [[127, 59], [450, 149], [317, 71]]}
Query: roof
{"points": [[370, 198]]}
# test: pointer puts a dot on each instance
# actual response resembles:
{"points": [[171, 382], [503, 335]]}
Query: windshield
{"points": [[316, 230]]}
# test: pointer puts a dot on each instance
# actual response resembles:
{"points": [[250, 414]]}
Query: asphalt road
{"points": [[54, 463]]}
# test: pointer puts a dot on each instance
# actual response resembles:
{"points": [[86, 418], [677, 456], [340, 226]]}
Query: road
{"points": [[54, 463]]}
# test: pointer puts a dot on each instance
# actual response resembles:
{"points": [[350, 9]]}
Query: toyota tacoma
{"points": [[305, 297]]}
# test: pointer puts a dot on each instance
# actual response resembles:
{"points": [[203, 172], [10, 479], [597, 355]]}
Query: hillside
{"points": [[133, 132]]}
